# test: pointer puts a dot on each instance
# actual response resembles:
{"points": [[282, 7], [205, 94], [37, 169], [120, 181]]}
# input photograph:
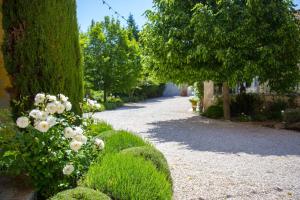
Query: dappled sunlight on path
{"points": [[213, 159]]}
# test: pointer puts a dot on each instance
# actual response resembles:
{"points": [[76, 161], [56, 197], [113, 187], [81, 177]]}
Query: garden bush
{"points": [[127, 177], [292, 115], [274, 110], [50, 146], [80, 193], [247, 104], [153, 155], [214, 112], [116, 141], [96, 128]]}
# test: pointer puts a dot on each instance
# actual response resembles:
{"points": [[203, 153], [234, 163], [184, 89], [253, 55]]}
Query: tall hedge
{"points": [[41, 48]]}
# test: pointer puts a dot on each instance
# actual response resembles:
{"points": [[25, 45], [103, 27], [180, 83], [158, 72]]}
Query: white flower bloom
{"points": [[100, 144], [91, 102], [36, 114], [42, 126], [51, 108], [78, 131], [51, 98], [84, 139], [51, 121], [22, 122], [68, 169], [77, 137], [69, 133], [63, 98], [39, 98], [43, 116], [75, 145], [60, 108], [68, 106]]}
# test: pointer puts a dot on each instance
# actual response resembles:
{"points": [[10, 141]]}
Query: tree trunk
{"points": [[105, 96], [226, 101]]}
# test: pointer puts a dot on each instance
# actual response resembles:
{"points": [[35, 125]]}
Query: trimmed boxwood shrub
{"points": [[153, 155], [214, 112], [127, 177], [96, 129], [80, 193], [41, 50]]}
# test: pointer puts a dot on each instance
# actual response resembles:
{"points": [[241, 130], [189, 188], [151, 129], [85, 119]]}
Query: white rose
{"points": [[99, 143], [36, 114], [68, 169], [39, 98], [60, 108], [75, 145], [51, 98], [97, 105], [77, 137], [43, 116], [84, 139], [42, 126], [68, 106], [68, 132], [51, 108], [63, 98], [78, 130], [22, 122], [90, 102], [51, 121]]}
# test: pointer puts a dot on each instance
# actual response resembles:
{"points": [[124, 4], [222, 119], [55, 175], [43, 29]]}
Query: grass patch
{"points": [[99, 127], [127, 177]]}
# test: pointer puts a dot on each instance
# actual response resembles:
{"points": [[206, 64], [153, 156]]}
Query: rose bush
{"points": [[50, 146]]}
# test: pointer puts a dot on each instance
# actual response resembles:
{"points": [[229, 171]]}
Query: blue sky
{"points": [[94, 9]]}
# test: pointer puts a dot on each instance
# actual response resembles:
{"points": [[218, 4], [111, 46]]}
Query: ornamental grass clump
{"points": [[126, 177], [98, 127], [51, 145]]}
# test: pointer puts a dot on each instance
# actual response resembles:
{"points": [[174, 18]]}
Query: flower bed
{"points": [[59, 150]]}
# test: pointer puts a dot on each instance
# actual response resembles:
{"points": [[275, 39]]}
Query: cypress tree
{"points": [[41, 49]]}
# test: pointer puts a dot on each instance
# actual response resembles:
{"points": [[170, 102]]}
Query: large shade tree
{"points": [[111, 58], [227, 41], [41, 49]]}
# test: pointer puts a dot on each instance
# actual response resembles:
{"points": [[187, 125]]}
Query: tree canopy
{"points": [[227, 40], [111, 58]]}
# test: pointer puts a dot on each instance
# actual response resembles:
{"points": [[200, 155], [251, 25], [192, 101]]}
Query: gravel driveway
{"points": [[214, 159]]}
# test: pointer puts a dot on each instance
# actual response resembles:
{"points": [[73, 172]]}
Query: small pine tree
{"points": [[133, 28]]}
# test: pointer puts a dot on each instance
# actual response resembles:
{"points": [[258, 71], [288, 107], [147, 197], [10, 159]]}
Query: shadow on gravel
{"points": [[202, 134]]}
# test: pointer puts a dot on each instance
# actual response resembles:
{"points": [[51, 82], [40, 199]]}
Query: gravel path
{"points": [[214, 159]]}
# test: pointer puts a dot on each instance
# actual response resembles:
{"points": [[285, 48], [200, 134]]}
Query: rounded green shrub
{"points": [[127, 177], [116, 141], [153, 155], [214, 112], [80, 193], [96, 129]]}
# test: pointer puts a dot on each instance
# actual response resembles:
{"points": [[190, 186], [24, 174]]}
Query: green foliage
{"points": [[132, 28], [111, 58], [96, 128], [43, 152], [120, 140], [223, 41], [274, 110], [153, 155], [247, 104], [291, 115], [214, 112], [113, 103], [80, 193], [41, 50], [127, 177]]}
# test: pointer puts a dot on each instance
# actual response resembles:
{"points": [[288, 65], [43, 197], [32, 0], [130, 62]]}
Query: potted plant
{"points": [[194, 101]]}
